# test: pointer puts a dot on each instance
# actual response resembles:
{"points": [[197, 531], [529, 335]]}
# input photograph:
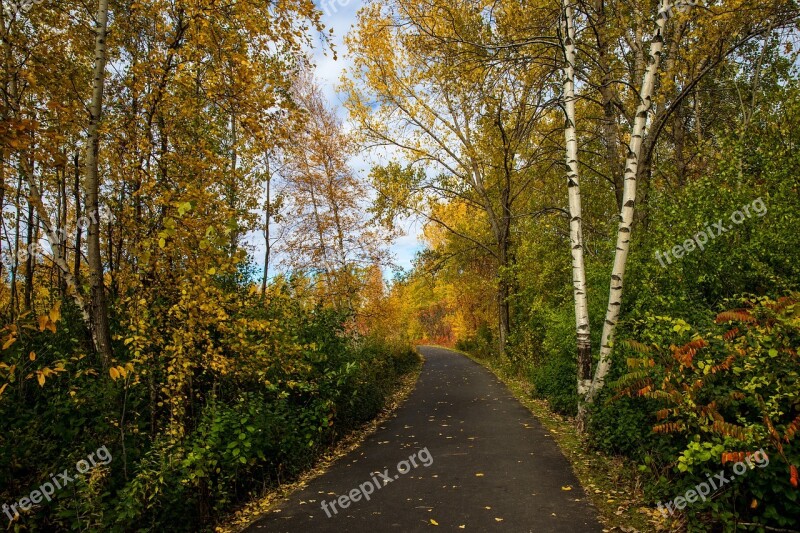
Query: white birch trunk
{"points": [[629, 201], [573, 187], [100, 332]]}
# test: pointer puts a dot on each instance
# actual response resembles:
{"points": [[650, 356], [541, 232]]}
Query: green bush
{"points": [[554, 380], [718, 393], [243, 431], [261, 438], [481, 344]]}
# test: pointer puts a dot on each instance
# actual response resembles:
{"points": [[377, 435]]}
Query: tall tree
{"points": [[645, 71], [330, 236], [101, 333], [433, 91], [580, 296]]}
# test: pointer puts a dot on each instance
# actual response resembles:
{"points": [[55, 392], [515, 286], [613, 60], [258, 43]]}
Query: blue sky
{"points": [[340, 15]]}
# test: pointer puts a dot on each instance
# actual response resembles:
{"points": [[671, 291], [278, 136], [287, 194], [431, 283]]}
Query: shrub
{"points": [[724, 393]]}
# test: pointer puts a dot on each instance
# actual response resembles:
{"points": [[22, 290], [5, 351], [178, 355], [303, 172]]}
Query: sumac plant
{"points": [[727, 392]]}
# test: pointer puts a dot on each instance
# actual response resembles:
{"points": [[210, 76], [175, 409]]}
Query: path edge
{"points": [[636, 515], [251, 512]]}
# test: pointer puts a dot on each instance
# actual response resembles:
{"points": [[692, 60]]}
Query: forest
{"points": [[199, 292]]}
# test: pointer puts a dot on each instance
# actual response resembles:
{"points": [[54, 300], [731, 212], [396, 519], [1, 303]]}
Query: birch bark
{"points": [[574, 190], [100, 330], [638, 133]]}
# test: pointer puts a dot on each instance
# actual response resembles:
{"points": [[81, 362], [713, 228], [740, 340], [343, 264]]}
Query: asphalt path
{"points": [[460, 454]]}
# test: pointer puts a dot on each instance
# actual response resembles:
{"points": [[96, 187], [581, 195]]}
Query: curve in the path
{"points": [[490, 466]]}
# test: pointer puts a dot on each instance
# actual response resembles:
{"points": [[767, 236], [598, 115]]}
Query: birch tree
{"points": [[625, 227], [588, 389], [709, 48], [101, 334], [575, 211]]}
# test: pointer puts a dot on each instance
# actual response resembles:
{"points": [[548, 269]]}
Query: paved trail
{"points": [[491, 467]]}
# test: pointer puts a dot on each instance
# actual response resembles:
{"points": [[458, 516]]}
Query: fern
{"points": [[729, 430], [637, 346]]}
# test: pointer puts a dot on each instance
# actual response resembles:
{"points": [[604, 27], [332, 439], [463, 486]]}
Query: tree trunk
{"points": [[582, 329], [78, 231], [30, 238], [608, 100], [629, 203], [267, 217], [62, 222], [232, 198], [15, 259], [101, 335], [35, 198], [503, 294]]}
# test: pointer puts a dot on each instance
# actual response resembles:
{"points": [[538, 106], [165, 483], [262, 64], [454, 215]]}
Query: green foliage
{"points": [[554, 371], [756, 176], [480, 344], [302, 379], [555, 380], [727, 390]]}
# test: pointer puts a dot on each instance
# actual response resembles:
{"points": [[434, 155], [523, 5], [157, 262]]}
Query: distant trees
{"points": [[433, 93], [328, 230], [470, 101]]}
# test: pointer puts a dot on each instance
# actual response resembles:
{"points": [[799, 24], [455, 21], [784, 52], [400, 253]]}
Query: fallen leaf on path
{"points": [[434, 522]]}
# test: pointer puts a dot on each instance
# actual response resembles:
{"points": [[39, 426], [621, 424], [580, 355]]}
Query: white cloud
{"points": [[340, 15]]}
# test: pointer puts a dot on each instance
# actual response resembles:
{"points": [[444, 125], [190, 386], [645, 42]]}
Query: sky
{"points": [[340, 15]]}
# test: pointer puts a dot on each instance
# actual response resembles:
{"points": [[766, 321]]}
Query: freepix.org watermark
{"points": [[366, 489], [47, 490], [37, 251], [703, 490], [331, 7], [712, 231]]}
